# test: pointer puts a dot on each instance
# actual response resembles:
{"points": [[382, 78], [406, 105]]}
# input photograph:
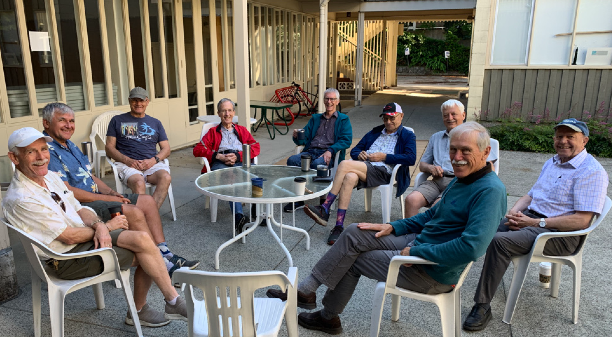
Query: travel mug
{"points": [[305, 162], [545, 272], [322, 171], [301, 134], [299, 185], [257, 187], [87, 150], [246, 155], [115, 210]]}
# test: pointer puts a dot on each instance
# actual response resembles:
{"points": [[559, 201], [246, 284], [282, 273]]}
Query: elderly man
{"points": [[325, 135], [39, 203], [570, 190], [454, 232], [222, 146], [131, 141], [435, 161], [374, 158], [74, 169]]}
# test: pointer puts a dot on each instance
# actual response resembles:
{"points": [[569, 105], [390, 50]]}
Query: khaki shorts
{"points": [[432, 189], [92, 265], [125, 172]]}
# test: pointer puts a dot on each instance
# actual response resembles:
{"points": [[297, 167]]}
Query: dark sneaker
{"points": [[289, 207], [182, 262], [478, 318], [241, 220], [148, 317], [314, 321], [334, 235], [317, 213], [304, 301], [178, 311]]}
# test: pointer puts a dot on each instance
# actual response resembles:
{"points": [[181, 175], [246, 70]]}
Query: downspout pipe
{"points": [[322, 52]]}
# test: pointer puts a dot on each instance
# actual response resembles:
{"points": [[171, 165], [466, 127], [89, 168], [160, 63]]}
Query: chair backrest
{"points": [[99, 128], [205, 129], [596, 221], [236, 312], [29, 243], [494, 155]]}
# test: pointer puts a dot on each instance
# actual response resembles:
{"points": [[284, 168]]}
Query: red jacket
{"points": [[209, 145]]}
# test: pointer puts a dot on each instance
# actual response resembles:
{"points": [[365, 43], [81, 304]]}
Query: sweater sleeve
{"points": [[345, 136], [414, 224], [482, 223]]}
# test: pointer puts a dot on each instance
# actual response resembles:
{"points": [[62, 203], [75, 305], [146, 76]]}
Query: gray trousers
{"points": [[505, 245], [357, 252]]}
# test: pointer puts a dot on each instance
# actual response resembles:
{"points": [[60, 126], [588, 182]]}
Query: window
{"points": [[511, 37]]}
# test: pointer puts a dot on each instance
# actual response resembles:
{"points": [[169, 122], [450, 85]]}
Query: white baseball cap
{"points": [[24, 137]]}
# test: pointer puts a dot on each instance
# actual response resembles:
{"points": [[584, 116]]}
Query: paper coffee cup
{"points": [[299, 185], [545, 273]]}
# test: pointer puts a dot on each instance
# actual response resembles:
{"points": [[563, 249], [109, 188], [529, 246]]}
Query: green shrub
{"points": [[535, 133]]}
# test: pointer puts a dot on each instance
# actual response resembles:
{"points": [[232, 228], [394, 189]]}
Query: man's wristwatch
{"points": [[157, 160], [542, 222]]}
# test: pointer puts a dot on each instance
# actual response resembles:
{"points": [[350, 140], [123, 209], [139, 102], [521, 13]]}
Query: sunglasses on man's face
{"points": [[58, 200]]}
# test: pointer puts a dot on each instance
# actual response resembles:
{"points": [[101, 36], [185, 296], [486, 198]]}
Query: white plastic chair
{"points": [[574, 261], [224, 312], [120, 186], [493, 156], [58, 288], [99, 128], [386, 194], [212, 202], [449, 303]]}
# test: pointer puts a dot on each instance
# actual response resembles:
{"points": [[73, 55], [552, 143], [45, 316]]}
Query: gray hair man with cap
{"points": [[373, 161], [39, 203], [570, 190], [132, 139]]}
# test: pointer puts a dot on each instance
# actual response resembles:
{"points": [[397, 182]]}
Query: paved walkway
{"points": [[195, 237]]}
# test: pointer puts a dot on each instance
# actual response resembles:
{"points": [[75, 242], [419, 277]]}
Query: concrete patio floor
{"points": [[195, 237]]}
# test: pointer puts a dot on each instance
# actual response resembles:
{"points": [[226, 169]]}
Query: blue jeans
{"points": [[218, 165], [315, 156]]}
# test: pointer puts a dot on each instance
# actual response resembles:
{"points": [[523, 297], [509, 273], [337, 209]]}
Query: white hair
{"points": [[451, 103], [483, 140]]}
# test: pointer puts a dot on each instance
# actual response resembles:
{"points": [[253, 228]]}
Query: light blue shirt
{"points": [[437, 150], [229, 140], [580, 184], [385, 143]]}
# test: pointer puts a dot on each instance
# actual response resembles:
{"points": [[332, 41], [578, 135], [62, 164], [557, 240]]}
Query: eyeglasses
{"points": [[389, 118], [58, 200], [329, 99]]}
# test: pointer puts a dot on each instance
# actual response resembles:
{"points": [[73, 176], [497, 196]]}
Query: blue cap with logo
{"points": [[575, 125]]}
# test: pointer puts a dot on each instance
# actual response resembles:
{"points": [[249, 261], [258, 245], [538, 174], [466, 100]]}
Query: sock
{"points": [[328, 315], [309, 285], [340, 217], [168, 264], [173, 301], [163, 248], [328, 201]]}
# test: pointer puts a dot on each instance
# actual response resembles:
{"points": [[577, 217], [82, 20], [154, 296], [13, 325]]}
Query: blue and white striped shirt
{"points": [[580, 184]]}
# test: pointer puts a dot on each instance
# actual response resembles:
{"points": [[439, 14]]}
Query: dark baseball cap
{"points": [[575, 125], [391, 109]]}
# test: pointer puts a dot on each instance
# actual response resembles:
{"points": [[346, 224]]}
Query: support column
{"points": [[241, 48], [478, 55], [323, 44], [359, 65]]}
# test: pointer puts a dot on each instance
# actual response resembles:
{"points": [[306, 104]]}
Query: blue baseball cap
{"points": [[575, 125]]}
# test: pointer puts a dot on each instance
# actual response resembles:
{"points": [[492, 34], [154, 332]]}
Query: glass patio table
{"points": [[234, 184]]}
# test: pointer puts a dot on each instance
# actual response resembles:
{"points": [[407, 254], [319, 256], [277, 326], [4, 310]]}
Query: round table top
{"points": [[234, 184]]}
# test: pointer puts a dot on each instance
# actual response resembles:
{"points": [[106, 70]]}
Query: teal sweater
{"points": [[343, 134], [459, 228]]}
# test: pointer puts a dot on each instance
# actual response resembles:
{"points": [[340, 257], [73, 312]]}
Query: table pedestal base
{"points": [[250, 227]]}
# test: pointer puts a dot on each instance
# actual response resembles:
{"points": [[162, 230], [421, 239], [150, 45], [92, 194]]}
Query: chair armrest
{"points": [[540, 241], [298, 149], [394, 173], [398, 261], [421, 178], [292, 276]]}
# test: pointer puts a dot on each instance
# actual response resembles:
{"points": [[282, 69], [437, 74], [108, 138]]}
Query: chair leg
{"points": [[457, 313], [447, 316], [385, 200], [36, 304], [171, 199], [56, 310], [378, 301], [127, 292], [518, 277], [396, 303], [367, 193], [555, 279], [213, 209], [577, 283], [402, 205], [99, 295]]}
